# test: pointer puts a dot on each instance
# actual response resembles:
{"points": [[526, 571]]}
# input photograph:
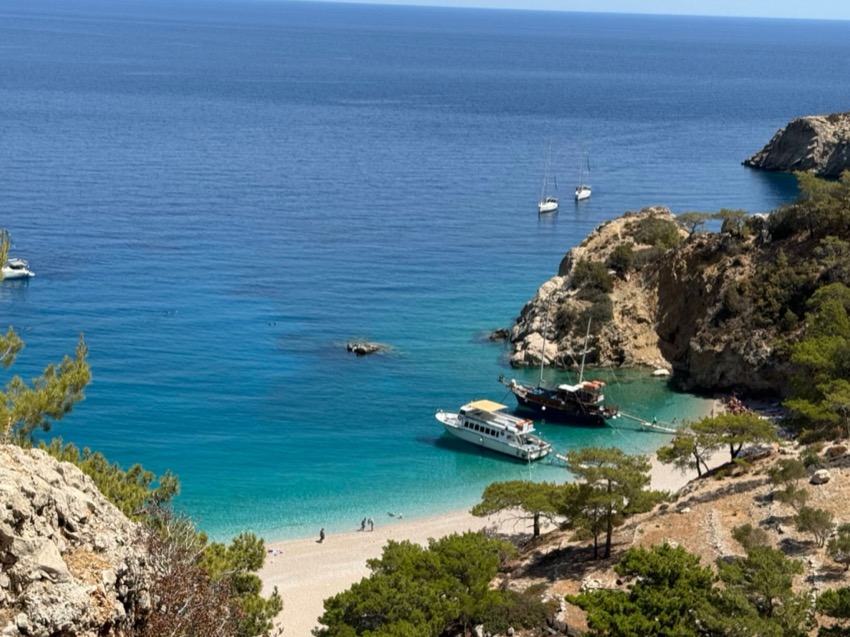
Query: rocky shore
{"points": [[819, 144]]}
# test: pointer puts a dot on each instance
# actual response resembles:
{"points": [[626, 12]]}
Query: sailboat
{"points": [[583, 190], [547, 203], [579, 404]]}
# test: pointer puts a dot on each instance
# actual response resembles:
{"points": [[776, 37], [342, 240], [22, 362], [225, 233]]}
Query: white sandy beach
{"points": [[307, 572]]}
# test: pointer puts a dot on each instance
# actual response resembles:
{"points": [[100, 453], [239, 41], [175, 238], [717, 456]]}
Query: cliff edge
{"points": [[819, 144]]}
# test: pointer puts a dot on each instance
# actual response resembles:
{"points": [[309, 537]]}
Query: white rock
{"points": [[821, 476]]}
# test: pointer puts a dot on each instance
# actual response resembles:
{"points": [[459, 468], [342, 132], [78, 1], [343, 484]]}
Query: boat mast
{"points": [[546, 173], [543, 350], [584, 352]]}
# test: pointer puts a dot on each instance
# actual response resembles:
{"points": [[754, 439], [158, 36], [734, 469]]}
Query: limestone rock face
{"points": [[818, 144], [679, 309], [628, 340], [71, 563]]}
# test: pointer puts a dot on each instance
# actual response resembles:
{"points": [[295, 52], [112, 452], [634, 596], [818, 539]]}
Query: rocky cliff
{"points": [[818, 144], [687, 308], [552, 324], [71, 564]]}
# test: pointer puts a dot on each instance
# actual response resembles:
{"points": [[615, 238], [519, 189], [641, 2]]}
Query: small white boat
{"points": [[583, 190], [547, 203], [487, 424], [17, 269]]}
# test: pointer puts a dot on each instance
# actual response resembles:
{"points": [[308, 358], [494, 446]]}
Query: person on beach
{"points": [[371, 524], [322, 535], [363, 524]]}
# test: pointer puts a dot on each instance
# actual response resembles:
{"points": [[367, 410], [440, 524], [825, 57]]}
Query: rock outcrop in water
{"points": [[819, 144], [71, 565]]}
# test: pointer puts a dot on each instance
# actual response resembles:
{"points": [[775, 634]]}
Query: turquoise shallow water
{"points": [[220, 195]]}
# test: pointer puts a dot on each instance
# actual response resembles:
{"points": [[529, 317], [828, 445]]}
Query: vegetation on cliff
{"points": [[758, 305]]}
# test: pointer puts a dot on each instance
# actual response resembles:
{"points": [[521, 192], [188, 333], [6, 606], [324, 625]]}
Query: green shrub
{"points": [[749, 536], [600, 313], [566, 318], [592, 274], [519, 610], [657, 232], [621, 258], [641, 258], [810, 458]]}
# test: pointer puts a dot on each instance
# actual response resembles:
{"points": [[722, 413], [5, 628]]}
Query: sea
{"points": [[220, 195]]}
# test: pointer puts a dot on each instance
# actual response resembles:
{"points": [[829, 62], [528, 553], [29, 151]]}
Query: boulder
{"points": [[821, 476], [835, 452], [364, 348]]}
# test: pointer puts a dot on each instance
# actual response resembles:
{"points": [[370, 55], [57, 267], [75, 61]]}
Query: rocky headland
{"points": [[819, 144], [658, 296], [71, 562]]}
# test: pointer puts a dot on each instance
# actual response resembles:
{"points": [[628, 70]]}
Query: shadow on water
{"points": [[779, 188], [455, 445]]}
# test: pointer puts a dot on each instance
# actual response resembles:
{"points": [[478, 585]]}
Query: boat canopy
{"points": [[486, 405], [570, 388]]}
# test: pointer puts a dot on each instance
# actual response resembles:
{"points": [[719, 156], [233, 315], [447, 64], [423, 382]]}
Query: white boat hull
{"points": [[16, 269], [532, 449], [582, 192], [548, 205]]}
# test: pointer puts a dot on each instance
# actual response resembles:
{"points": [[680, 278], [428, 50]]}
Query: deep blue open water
{"points": [[221, 195]]}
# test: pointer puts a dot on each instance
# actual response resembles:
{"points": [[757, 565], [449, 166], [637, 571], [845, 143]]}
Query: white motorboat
{"points": [[583, 190], [17, 269], [487, 424]]}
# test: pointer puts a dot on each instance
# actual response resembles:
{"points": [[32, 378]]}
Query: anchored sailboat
{"points": [[583, 189], [579, 404], [548, 202]]}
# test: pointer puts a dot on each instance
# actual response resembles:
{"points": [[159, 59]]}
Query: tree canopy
{"points": [[610, 479], [532, 500], [821, 393], [26, 408], [668, 591], [672, 594], [415, 591]]}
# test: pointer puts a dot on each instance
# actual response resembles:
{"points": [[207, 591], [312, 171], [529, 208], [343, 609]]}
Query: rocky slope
{"points": [[701, 520], [71, 565], [818, 144], [678, 308]]}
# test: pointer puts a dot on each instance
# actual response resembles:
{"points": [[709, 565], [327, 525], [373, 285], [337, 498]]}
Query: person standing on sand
{"points": [[322, 535], [363, 524], [371, 524]]}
